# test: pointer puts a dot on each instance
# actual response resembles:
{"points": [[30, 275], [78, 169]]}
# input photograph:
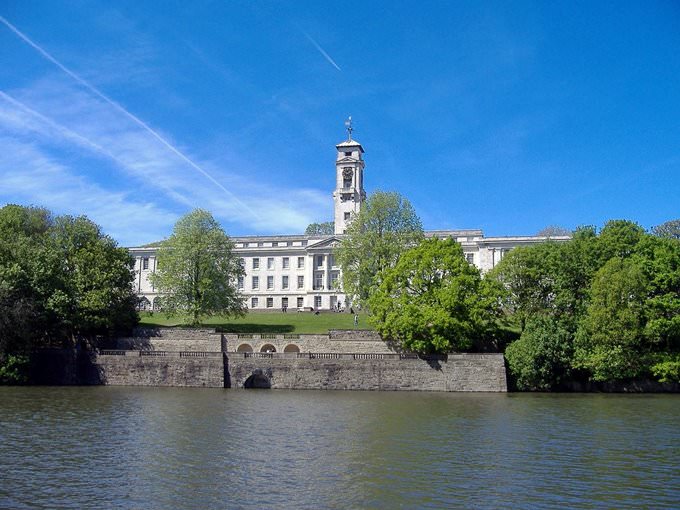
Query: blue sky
{"points": [[504, 116]]}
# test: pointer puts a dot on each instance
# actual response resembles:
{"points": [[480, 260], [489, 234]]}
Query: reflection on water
{"points": [[115, 447]]}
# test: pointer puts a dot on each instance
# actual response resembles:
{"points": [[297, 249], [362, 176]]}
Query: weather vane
{"points": [[348, 125]]}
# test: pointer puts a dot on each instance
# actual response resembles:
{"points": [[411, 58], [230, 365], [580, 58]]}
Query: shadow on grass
{"points": [[253, 328]]}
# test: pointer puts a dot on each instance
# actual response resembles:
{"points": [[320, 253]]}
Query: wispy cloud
{"points": [[125, 112], [68, 146], [29, 176], [61, 118], [322, 51]]}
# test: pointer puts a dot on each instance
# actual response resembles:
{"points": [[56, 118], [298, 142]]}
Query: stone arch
{"points": [[291, 348], [245, 348], [143, 304], [257, 380], [268, 348]]}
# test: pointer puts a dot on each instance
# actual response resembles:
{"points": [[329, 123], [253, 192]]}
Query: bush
{"points": [[541, 358]]}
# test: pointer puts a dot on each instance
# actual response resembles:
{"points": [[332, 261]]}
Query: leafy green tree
{"points": [[434, 301], [610, 340], [197, 270], [326, 228], [94, 294], [669, 229], [526, 274], [24, 276], [386, 226], [542, 357], [60, 279], [619, 238]]}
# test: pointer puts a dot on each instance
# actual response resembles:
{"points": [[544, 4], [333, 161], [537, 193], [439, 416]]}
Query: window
{"points": [[286, 262], [346, 216], [242, 261], [348, 153], [332, 262], [270, 302], [317, 301], [256, 282], [318, 280], [284, 282], [319, 261], [301, 282], [284, 302], [300, 302], [270, 263], [301, 262], [270, 282], [470, 258], [240, 282], [145, 263], [334, 279], [256, 263], [253, 302]]}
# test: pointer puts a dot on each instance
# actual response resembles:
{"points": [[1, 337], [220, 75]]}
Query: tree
{"points": [[669, 229], [197, 270], [94, 293], [326, 228], [385, 227], [610, 339], [542, 357], [60, 279], [553, 231], [433, 300]]}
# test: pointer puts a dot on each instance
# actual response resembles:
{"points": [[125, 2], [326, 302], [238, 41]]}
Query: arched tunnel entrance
{"points": [[258, 380]]}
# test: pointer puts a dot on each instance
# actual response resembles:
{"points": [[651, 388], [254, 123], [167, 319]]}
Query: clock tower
{"points": [[349, 180]]}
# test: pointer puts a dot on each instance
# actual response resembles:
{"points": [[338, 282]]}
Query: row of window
{"points": [[271, 244], [285, 262], [285, 281], [300, 302]]}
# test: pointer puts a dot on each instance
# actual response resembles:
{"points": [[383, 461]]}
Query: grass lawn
{"points": [[266, 322]]}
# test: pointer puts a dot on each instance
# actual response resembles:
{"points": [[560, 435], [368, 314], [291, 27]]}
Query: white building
{"points": [[299, 271]]}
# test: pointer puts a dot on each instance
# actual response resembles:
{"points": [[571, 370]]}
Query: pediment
{"points": [[347, 159], [329, 242]]}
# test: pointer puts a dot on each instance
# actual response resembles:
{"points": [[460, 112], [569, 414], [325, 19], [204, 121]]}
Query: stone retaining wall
{"points": [[170, 370], [307, 343], [171, 339], [460, 372]]}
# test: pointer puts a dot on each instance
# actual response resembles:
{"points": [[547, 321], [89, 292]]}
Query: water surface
{"points": [[125, 447]]}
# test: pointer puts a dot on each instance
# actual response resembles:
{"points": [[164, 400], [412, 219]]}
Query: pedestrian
{"points": [[356, 321]]}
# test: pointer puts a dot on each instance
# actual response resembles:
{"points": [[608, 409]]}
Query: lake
{"points": [[161, 448]]}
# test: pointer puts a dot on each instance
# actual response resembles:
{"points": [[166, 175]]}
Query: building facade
{"points": [[300, 272]]}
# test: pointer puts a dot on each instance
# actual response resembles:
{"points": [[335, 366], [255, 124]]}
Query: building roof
{"points": [[350, 143]]}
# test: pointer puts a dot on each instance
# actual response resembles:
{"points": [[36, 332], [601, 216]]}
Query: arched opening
{"points": [[257, 380], [268, 348], [291, 348], [244, 348], [143, 304], [157, 304]]}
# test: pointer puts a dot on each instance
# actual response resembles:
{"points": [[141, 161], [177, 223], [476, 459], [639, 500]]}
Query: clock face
{"points": [[347, 173]]}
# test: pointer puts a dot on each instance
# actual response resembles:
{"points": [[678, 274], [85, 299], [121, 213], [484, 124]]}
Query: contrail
{"points": [[321, 50], [62, 129], [132, 117], [68, 133]]}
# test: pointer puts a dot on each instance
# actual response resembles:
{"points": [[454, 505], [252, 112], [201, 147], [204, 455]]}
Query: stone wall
{"points": [[171, 339], [133, 369], [349, 341], [459, 372]]}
